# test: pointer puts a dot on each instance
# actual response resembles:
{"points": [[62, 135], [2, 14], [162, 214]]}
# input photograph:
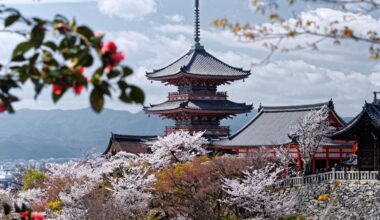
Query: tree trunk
{"points": [[307, 168]]}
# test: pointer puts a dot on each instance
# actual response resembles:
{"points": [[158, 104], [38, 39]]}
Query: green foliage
{"points": [[33, 179], [55, 53], [293, 217], [55, 206]]}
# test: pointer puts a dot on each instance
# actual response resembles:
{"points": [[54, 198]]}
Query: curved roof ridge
{"points": [[202, 61], [246, 125], [232, 67], [373, 113], [350, 124], [304, 107], [173, 63]]}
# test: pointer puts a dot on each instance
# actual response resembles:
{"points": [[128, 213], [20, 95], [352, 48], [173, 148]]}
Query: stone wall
{"points": [[347, 200]]}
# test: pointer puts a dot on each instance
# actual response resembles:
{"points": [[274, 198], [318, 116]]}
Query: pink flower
{"points": [[3, 108], [111, 56], [38, 216], [98, 34], [109, 47]]}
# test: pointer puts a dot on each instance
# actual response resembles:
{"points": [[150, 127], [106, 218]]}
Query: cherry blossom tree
{"points": [[309, 132], [132, 192], [177, 147], [285, 160], [253, 193]]}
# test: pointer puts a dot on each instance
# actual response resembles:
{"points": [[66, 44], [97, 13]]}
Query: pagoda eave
{"points": [[199, 111], [182, 75]]}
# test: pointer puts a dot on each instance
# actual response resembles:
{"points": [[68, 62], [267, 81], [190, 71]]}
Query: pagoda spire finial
{"points": [[197, 33]]}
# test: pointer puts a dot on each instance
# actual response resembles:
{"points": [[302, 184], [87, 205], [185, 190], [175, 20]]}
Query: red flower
{"points": [[38, 216], [78, 89], [111, 56], [58, 88], [3, 108], [25, 215], [81, 70], [109, 47]]}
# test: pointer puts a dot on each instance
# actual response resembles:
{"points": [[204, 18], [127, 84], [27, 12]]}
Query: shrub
{"points": [[194, 189], [55, 206], [33, 178]]}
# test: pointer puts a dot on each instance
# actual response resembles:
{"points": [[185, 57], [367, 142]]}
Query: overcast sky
{"points": [[154, 33]]}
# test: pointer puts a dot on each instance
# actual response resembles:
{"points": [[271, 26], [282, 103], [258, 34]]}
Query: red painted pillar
{"points": [[299, 161]]}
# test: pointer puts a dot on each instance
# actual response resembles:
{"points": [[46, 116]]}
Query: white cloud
{"points": [[297, 82], [128, 9], [42, 1], [175, 18]]}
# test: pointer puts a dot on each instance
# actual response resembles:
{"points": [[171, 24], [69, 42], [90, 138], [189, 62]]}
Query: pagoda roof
{"points": [[123, 142], [210, 105], [198, 62], [272, 125], [370, 111]]}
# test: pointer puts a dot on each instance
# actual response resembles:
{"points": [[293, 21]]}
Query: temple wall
{"points": [[347, 200]]}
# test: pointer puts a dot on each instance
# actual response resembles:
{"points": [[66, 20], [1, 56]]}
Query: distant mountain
{"points": [[37, 134]]}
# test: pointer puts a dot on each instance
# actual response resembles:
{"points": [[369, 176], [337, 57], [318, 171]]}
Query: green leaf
{"points": [[33, 59], [38, 88], [124, 97], [7, 208], [22, 48], [19, 58], [137, 94], [56, 97], [113, 74], [55, 73], [51, 45], [37, 36], [11, 20], [97, 100], [85, 31], [61, 18], [127, 71], [85, 59]]}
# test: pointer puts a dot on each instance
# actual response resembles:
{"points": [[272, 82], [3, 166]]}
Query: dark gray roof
{"points": [[129, 138], [199, 62], [200, 105], [369, 109], [271, 126]]}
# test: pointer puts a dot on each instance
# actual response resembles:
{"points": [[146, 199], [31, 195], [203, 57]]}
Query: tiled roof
{"points": [[117, 138], [270, 126], [200, 105], [369, 109], [199, 62]]}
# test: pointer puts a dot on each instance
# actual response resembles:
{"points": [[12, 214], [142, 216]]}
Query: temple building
{"points": [[128, 143], [365, 130], [197, 105], [270, 128]]}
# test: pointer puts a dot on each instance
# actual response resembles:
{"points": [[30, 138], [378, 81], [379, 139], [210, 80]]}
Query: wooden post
{"points": [[333, 173]]}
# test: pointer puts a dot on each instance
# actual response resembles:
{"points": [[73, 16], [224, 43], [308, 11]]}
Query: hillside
{"points": [[36, 134]]}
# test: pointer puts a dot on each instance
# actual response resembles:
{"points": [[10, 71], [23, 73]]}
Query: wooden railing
{"points": [[329, 176]]}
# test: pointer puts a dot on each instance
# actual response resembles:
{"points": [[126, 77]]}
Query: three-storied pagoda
{"points": [[197, 105]]}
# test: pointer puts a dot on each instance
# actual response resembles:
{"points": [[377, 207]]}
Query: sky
{"points": [[154, 33]]}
